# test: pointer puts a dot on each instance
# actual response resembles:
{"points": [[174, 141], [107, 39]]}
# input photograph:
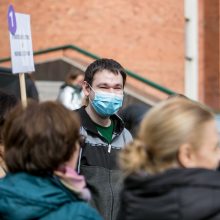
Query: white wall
{"points": [[191, 49]]}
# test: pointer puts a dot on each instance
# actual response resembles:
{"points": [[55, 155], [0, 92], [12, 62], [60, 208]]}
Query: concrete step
{"points": [[48, 90]]}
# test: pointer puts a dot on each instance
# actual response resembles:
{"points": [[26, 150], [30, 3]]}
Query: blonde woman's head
{"points": [[176, 133]]}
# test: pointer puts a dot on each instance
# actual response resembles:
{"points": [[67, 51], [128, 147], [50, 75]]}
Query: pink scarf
{"points": [[73, 181]]}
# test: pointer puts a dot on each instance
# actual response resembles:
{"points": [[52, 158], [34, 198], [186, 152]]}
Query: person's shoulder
{"points": [[127, 135], [79, 210], [82, 210], [68, 88], [135, 110], [87, 212], [119, 126], [81, 112]]}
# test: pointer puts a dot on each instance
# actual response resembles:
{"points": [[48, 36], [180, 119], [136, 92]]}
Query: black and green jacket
{"points": [[99, 164]]}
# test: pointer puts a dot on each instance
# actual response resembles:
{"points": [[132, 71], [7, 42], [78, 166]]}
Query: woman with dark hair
{"points": [[171, 166], [41, 151], [7, 103]]}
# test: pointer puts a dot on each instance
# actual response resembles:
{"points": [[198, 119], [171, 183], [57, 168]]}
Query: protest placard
{"points": [[21, 47]]}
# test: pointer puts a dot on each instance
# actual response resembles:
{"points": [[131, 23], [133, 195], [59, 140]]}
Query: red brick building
{"points": [[145, 36]]}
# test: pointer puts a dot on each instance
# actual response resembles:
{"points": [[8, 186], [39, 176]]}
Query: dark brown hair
{"points": [[40, 138], [72, 75], [104, 64]]}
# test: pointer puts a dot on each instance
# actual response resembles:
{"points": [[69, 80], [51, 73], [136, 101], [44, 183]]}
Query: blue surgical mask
{"points": [[106, 104]]}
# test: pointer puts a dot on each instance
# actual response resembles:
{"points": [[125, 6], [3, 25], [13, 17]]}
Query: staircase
{"points": [[50, 73]]}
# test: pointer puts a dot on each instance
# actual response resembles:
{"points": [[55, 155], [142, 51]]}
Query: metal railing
{"points": [[93, 56]]}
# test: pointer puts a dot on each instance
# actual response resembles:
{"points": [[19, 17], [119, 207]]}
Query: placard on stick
{"points": [[21, 47]]}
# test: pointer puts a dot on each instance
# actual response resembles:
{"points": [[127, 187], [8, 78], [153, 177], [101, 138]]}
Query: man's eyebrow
{"points": [[107, 84], [103, 84], [121, 85]]}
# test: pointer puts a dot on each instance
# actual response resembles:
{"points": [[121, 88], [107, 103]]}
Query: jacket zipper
{"points": [[109, 151], [109, 148], [109, 144], [112, 204]]}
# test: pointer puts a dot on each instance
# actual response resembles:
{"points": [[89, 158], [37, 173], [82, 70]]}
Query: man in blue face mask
{"points": [[105, 134]]}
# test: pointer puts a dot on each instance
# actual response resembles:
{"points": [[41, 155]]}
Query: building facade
{"points": [[145, 36]]}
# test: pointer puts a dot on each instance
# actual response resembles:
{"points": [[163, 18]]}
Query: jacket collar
{"points": [[89, 125], [174, 178]]}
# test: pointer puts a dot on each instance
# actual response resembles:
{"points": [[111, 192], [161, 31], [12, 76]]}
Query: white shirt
{"points": [[70, 97]]}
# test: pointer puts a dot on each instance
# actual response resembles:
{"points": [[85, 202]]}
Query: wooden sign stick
{"points": [[23, 89]]}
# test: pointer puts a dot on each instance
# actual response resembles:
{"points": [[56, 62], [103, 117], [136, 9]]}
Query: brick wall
{"points": [[146, 36]]}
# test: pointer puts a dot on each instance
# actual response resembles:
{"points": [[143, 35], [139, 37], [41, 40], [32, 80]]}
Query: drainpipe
{"points": [[191, 48]]}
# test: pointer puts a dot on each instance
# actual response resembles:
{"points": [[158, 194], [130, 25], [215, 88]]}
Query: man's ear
{"points": [[186, 156], [85, 88]]}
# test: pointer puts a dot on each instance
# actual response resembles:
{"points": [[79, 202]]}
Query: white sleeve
{"points": [[65, 97]]}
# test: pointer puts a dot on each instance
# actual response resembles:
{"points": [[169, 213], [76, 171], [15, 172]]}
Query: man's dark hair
{"points": [[40, 138], [104, 64]]}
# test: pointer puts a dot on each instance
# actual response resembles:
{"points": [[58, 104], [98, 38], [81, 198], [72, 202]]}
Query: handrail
{"points": [[93, 56]]}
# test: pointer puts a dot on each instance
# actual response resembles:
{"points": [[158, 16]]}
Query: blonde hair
{"points": [[166, 126]]}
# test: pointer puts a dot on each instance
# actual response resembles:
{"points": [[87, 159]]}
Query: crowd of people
{"points": [[81, 162]]}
